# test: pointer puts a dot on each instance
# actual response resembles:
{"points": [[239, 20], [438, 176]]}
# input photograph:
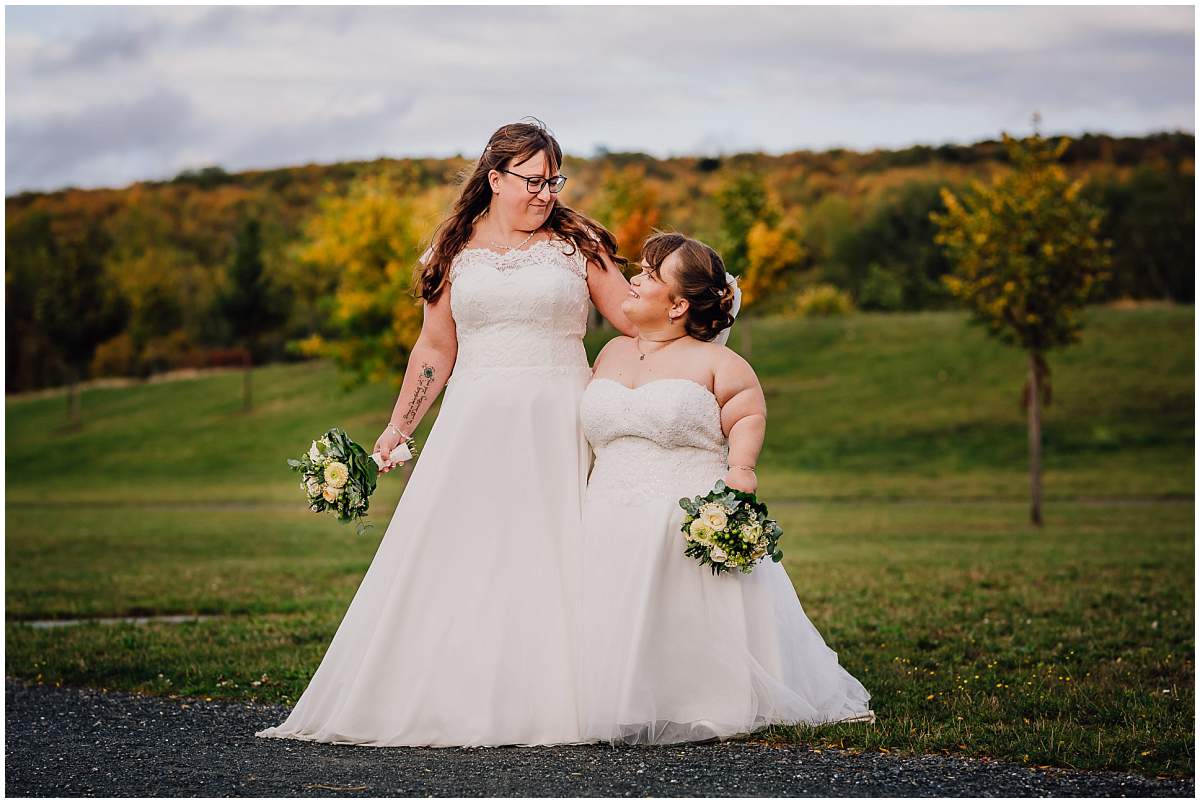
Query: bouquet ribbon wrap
{"points": [[400, 454]]}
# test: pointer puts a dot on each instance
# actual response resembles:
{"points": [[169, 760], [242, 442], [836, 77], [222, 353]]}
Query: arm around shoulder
{"points": [[608, 287]]}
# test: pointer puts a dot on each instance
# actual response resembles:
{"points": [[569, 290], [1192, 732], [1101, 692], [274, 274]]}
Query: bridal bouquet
{"points": [[729, 529], [339, 475]]}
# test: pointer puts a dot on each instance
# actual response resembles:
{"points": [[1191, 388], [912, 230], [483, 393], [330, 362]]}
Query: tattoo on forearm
{"points": [[424, 382]]}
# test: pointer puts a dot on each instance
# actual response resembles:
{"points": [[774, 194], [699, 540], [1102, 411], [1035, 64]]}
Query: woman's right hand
{"points": [[388, 441]]}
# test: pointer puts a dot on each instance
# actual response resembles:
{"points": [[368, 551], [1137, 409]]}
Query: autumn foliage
{"points": [[131, 281]]}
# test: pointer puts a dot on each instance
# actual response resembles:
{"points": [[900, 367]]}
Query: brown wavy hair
{"points": [[700, 278], [510, 144]]}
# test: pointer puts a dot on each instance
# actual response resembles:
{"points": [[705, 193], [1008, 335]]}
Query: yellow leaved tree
{"points": [[628, 205], [1026, 256], [364, 245], [771, 251]]}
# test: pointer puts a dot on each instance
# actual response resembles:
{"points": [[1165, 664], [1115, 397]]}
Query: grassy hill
{"points": [[875, 405], [895, 461]]}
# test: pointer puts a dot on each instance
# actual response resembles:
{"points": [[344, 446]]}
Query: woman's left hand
{"points": [[742, 479]]}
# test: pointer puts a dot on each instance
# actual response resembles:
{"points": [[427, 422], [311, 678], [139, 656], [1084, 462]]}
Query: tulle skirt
{"points": [[671, 653], [459, 633]]}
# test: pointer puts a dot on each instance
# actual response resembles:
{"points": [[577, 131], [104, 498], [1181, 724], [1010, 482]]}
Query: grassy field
{"points": [[895, 461]]}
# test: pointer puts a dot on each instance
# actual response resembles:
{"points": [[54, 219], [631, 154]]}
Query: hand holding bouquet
{"points": [[338, 476], [393, 443], [729, 529]]}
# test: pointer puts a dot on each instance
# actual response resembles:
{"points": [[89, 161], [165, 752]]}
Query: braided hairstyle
{"points": [[699, 278]]}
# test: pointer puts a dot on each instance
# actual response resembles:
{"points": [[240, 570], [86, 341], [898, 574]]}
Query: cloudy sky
{"points": [[100, 96]]}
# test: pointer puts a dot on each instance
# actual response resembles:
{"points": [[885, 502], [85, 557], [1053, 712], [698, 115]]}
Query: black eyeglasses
{"points": [[650, 270], [534, 183]]}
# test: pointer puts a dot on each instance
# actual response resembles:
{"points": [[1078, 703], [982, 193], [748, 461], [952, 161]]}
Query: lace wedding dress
{"points": [[671, 653], [459, 633]]}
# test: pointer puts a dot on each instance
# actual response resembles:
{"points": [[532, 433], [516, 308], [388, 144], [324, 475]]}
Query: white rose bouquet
{"points": [[728, 529], [339, 475]]}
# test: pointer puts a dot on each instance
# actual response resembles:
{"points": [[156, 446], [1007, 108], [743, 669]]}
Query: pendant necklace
{"points": [[669, 340]]}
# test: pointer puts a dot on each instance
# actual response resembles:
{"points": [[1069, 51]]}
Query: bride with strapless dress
{"points": [[669, 652]]}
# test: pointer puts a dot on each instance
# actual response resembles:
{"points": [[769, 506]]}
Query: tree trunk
{"points": [[74, 415], [246, 384], [1035, 441]]}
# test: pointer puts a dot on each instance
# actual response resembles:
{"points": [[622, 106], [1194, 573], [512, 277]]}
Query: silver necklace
{"points": [[510, 247], [518, 245]]}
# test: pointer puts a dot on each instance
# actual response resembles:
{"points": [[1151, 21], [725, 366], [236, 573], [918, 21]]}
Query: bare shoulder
{"points": [[720, 357], [734, 361], [618, 342], [731, 371], [613, 347]]}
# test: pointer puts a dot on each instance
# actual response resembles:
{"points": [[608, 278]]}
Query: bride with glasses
{"points": [[459, 632]]}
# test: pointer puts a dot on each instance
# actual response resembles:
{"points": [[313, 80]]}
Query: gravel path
{"points": [[83, 742]]}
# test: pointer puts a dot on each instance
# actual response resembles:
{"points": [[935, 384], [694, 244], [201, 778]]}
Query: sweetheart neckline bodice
{"points": [[658, 440], [654, 381]]}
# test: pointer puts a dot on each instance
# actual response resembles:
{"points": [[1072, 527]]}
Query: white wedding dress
{"points": [[671, 653], [459, 633]]}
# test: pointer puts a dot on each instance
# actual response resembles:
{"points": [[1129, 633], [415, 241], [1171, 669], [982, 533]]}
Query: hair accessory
{"points": [[723, 336]]}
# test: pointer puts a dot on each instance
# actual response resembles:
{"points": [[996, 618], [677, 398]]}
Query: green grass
{"points": [[902, 494], [920, 404], [1072, 646]]}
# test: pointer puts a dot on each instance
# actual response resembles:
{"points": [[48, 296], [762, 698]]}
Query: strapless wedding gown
{"points": [[671, 653], [459, 633]]}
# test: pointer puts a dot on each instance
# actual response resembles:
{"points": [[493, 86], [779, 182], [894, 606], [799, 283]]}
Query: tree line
{"points": [[217, 268]]}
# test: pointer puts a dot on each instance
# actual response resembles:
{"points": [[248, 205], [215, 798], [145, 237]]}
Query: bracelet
{"points": [[748, 468], [398, 432]]}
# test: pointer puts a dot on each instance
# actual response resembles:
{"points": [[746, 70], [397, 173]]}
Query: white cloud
{"points": [[266, 86]]}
